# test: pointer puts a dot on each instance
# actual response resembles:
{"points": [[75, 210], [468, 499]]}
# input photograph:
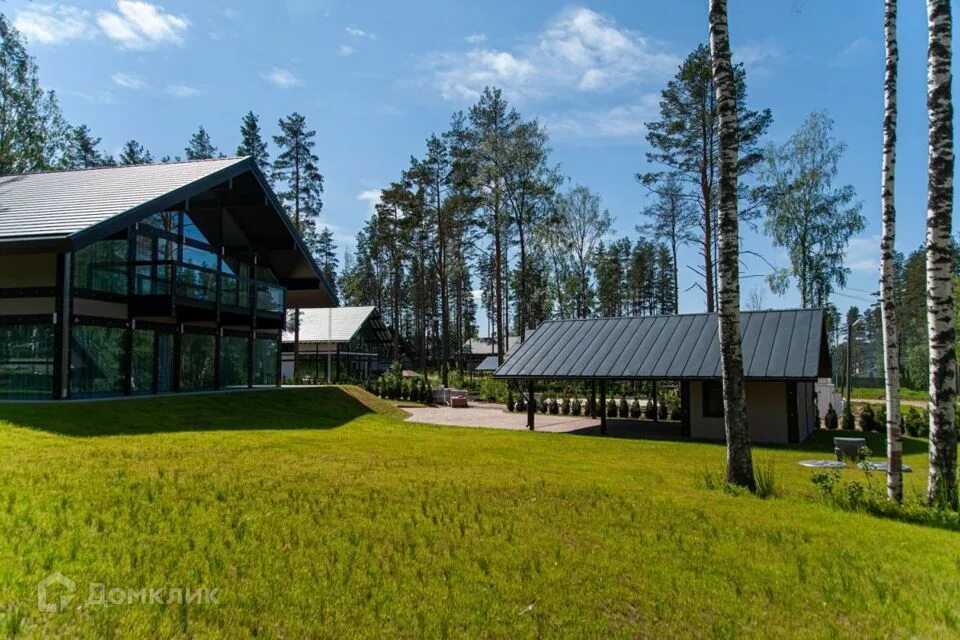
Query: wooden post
{"points": [[593, 399], [603, 407], [656, 407], [531, 407]]}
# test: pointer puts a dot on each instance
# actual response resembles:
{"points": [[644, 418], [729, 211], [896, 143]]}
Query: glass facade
{"points": [[265, 354], [26, 361], [97, 360], [102, 267], [234, 357], [197, 358], [143, 361]]}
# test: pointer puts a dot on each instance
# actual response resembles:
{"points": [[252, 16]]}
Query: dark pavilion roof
{"points": [[777, 345]]}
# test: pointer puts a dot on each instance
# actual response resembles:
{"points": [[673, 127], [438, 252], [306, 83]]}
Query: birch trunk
{"points": [[942, 482], [739, 458], [891, 347]]}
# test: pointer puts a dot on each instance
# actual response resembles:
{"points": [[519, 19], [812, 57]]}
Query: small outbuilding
{"points": [[784, 355]]}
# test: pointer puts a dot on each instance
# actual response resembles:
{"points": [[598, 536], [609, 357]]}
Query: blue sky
{"points": [[375, 79]]}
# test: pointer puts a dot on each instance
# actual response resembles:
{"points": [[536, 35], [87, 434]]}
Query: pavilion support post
{"points": [[603, 407], [656, 400], [593, 399], [531, 407]]}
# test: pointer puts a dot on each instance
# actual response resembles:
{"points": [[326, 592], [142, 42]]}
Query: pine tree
{"points": [[888, 258], [200, 147], [739, 458], [325, 252], [302, 184], [942, 481], [252, 143], [672, 217], [685, 142], [82, 152], [134, 153]]}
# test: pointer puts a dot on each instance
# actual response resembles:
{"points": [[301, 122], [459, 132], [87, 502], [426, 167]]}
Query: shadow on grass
{"points": [[316, 408]]}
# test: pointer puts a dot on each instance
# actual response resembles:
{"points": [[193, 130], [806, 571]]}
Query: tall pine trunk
{"points": [[739, 458], [888, 259], [942, 482]]}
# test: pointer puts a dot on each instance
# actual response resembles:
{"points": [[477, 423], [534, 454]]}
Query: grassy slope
{"points": [[314, 517]]}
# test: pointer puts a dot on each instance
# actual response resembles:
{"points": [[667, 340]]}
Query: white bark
{"points": [[891, 348], [739, 458], [942, 481]]}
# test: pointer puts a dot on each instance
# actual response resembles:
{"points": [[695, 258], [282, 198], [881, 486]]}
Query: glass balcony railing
{"points": [[199, 284]]}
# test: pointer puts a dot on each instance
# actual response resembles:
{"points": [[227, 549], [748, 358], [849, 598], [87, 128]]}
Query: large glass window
{"points": [[196, 284], [26, 361], [168, 221], [143, 343], [265, 355], [233, 361], [102, 266], [197, 361], [97, 359], [199, 257], [191, 231], [712, 399]]}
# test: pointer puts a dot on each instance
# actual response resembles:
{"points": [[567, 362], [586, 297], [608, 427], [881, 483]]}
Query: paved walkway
{"points": [[492, 416]]}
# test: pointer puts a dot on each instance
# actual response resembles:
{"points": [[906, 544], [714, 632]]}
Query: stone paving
{"points": [[493, 416]]}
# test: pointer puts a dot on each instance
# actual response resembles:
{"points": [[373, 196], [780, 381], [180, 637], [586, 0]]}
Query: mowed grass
{"points": [[314, 516]]}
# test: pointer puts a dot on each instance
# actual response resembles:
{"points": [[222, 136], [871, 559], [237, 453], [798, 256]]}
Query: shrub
{"points": [[611, 408], [429, 392], [635, 409], [576, 407], [832, 421], [849, 424], [521, 405], [881, 416], [493, 390], [868, 419], [590, 408], [510, 404], [650, 412], [542, 404], [554, 407], [624, 408], [662, 411], [565, 407], [915, 422], [765, 477], [675, 412]]}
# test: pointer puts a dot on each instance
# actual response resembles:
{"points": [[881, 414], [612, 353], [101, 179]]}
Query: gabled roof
{"points": [[63, 203], [487, 346], [338, 324], [777, 345], [488, 364], [67, 210]]}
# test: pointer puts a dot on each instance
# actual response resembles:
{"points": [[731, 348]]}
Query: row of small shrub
{"points": [[913, 421], [615, 409]]}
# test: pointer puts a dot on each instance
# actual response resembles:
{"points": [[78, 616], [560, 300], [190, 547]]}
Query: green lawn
{"points": [[316, 517], [864, 393]]}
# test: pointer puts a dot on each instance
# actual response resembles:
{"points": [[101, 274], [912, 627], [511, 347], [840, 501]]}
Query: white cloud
{"points": [[758, 56], [142, 26], [280, 77], [360, 33], [371, 197], [127, 81], [854, 53], [475, 38], [621, 121], [54, 23], [345, 50], [182, 91], [863, 254], [579, 49]]}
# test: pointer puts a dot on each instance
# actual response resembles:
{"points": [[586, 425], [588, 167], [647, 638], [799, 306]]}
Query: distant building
{"points": [[146, 279], [476, 350], [354, 341]]}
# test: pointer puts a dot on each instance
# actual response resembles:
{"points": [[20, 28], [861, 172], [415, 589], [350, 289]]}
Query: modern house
{"points": [[477, 350], [785, 353], [147, 279], [351, 343]]}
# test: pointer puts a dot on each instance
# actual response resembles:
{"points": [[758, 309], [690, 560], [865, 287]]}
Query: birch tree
{"points": [[739, 458], [888, 260], [942, 481]]}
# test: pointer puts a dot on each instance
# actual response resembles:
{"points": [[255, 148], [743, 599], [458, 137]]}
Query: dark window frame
{"points": [[711, 391]]}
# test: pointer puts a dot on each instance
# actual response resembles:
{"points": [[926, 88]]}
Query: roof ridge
{"points": [[121, 166]]}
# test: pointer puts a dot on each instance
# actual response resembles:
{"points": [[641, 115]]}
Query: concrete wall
{"points": [[28, 270], [766, 412]]}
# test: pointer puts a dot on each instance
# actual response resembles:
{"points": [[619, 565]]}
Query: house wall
{"points": [[28, 270], [766, 412], [27, 306]]}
